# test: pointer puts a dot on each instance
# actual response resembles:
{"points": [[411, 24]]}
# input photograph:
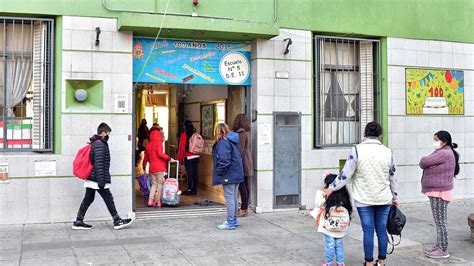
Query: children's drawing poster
{"points": [[191, 62], [431, 91]]}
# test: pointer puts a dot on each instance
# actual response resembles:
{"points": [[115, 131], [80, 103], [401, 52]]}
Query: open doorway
{"points": [[168, 106]]}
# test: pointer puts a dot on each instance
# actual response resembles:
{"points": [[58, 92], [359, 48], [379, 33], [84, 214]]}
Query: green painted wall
{"points": [[58, 66], [195, 28], [423, 19], [237, 9], [420, 19]]}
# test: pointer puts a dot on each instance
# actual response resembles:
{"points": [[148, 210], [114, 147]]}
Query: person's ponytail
{"points": [[456, 157]]}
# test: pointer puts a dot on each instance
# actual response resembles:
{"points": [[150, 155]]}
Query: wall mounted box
{"points": [[95, 95]]}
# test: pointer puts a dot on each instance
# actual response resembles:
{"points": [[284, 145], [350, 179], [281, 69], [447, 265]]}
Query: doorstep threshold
{"points": [[179, 212]]}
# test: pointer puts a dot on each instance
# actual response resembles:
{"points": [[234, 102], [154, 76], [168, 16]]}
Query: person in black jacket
{"points": [[99, 180]]}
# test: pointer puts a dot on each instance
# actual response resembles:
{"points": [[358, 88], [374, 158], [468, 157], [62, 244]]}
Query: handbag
{"points": [[395, 224]]}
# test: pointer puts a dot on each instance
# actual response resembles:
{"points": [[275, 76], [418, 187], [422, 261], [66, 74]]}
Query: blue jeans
{"points": [[374, 218], [333, 245], [231, 192]]}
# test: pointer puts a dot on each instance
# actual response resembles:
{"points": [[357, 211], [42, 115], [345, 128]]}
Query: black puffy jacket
{"points": [[100, 159]]}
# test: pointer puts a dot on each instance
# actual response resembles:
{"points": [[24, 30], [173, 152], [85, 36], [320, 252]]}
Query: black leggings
{"points": [[89, 198], [244, 193], [192, 173]]}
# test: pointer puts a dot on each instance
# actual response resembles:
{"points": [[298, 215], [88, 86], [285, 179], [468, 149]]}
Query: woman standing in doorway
{"points": [[190, 160], [439, 170], [242, 127], [143, 133], [374, 189], [227, 171]]}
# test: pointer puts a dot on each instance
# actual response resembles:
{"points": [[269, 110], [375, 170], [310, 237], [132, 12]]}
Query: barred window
{"points": [[26, 50], [347, 89]]}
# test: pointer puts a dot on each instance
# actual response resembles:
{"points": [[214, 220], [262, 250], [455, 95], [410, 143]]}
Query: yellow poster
{"points": [[430, 91]]}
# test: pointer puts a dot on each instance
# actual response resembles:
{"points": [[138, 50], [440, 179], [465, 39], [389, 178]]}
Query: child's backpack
{"points": [[170, 192], [338, 219], [196, 143], [82, 166]]}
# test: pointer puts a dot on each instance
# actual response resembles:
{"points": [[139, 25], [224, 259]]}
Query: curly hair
{"points": [[241, 121]]}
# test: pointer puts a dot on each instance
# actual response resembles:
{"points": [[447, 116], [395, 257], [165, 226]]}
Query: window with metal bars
{"points": [[347, 88], [26, 53]]}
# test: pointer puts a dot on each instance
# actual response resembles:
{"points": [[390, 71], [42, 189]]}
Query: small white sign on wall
{"points": [[264, 132], [3, 172], [121, 103], [45, 168]]}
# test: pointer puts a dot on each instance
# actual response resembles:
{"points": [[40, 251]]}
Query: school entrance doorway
{"points": [[178, 81]]}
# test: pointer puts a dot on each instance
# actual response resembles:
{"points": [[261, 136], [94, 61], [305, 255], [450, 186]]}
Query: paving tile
{"points": [[217, 260], [152, 251], [49, 261], [10, 254], [270, 258], [101, 251], [47, 253], [106, 259], [203, 251], [10, 262], [11, 231], [283, 238]]}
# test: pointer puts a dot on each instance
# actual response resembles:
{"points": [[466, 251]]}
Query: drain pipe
{"points": [[104, 4], [274, 11]]}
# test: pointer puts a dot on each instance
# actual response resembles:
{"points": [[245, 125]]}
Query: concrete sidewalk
{"points": [[273, 238]]}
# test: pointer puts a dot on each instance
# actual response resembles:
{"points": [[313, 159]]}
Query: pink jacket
{"points": [[154, 154], [438, 170]]}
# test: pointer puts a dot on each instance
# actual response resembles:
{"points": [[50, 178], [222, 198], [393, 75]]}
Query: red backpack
{"points": [[196, 143], [82, 166]]}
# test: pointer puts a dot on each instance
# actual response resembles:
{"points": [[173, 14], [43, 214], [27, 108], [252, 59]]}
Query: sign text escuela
{"points": [[190, 62]]}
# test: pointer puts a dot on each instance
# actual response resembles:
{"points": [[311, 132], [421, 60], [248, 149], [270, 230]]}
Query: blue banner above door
{"points": [[190, 62]]}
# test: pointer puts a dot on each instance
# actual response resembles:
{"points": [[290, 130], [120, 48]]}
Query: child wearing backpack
{"points": [[333, 216], [190, 145]]}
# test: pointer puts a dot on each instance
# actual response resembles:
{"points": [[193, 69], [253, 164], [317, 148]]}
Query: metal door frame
{"points": [[275, 114], [134, 140]]}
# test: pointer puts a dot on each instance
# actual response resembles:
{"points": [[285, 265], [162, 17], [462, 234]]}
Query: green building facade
{"points": [[318, 72]]}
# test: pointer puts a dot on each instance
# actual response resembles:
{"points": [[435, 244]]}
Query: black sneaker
{"points": [[80, 225], [122, 223], [189, 192]]}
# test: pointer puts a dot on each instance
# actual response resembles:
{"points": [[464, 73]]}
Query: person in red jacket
{"points": [[190, 160], [158, 166]]}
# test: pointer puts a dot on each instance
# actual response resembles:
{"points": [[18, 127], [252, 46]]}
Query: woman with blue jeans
{"points": [[228, 171], [374, 189]]}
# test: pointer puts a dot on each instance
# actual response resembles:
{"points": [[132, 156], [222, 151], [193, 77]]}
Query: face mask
{"points": [[437, 144], [106, 137]]}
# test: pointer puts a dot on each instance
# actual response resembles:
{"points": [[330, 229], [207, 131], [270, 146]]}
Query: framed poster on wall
{"points": [[207, 121], [434, 92]]}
